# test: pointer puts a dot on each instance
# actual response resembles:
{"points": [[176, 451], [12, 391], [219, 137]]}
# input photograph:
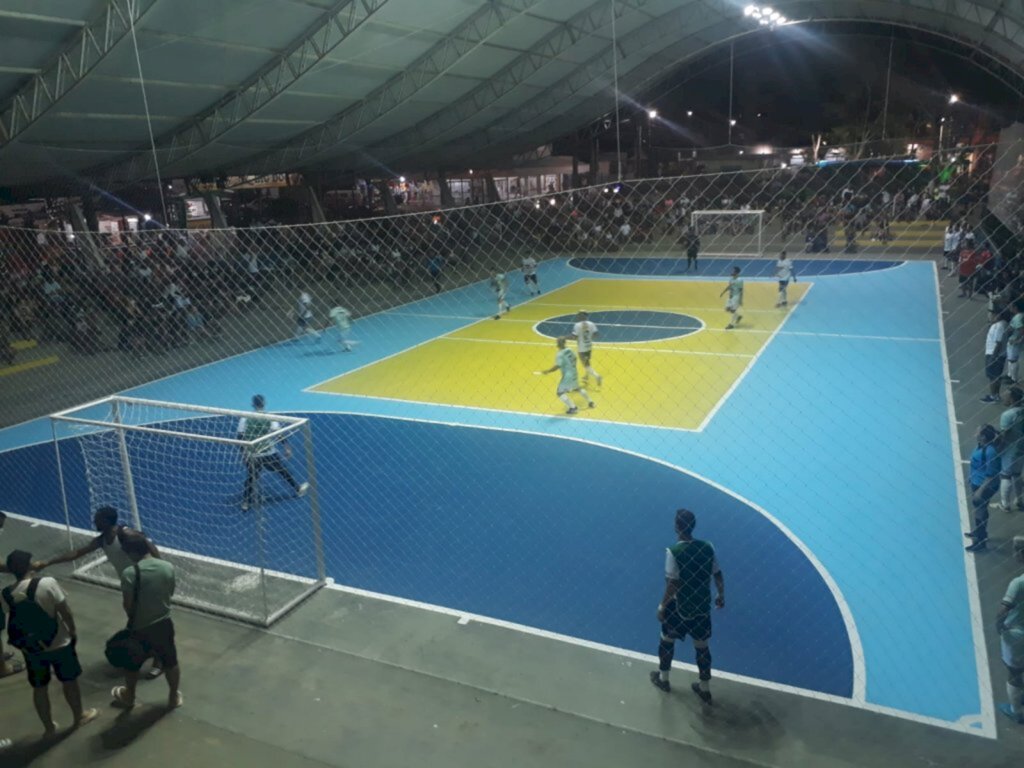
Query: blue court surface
{"points": [[826, 478]]}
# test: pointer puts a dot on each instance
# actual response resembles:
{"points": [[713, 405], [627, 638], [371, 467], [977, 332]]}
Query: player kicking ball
{"points": [[735, 302], [565, 361]]}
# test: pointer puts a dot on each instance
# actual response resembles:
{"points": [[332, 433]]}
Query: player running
{"points": [[304, 316], [784, 273], [499, 283], [343, 322], [565, 361], [735, 302], [530, 275], [584, 332]]}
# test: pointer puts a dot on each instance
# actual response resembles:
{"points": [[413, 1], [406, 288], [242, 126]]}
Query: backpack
{"points": [[30, 629]]}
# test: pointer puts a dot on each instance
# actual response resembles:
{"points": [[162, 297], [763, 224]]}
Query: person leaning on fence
{"points": [[1010, 626], [146, 588], [42, 627]]}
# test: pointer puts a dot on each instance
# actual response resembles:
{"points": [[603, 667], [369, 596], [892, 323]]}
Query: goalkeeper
{"points": [[263, 455]]}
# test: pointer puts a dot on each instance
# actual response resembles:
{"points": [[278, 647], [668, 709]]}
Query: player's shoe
{"points": [[245, 506], [591, 404], [729, 327], [657, 682], [301, 490], [704, 696], [1007, 710], [497, 317], [572, 411]]}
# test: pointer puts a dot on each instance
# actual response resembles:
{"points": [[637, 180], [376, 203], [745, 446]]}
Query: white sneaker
{"points": [[302, 490]]}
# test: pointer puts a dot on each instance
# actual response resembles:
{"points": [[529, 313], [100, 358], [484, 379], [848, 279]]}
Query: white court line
{"points": [[860, 679], [987, 716], [753, 361], [473, 321], [686, 310], [601, 347], [561, 415], [900, 263]]}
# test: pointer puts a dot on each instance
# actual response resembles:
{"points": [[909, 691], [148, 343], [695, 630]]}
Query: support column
{"points": [[387, 197], [85, 236], [447, 200], [316, 211], [491, 189], [216, 213]]}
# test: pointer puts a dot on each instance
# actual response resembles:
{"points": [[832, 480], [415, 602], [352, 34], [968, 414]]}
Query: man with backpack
{"points": [[40, 624]]}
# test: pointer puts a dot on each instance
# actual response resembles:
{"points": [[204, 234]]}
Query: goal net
{"points": [[729, 233], [164, 466]]}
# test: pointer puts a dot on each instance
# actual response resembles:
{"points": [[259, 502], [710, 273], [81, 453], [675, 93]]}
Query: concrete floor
{"points": [[351, 681]]}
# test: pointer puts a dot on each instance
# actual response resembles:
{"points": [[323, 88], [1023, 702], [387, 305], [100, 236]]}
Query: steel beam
{"points": [[401, 88], [342, 19], [88, 47]]}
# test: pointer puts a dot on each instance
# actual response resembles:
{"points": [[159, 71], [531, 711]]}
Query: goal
{"points": [[729, 232], [178, 472]]}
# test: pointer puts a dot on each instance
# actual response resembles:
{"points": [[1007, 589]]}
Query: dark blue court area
{"points": [[675, 266], [627, 326], [462, 517]]}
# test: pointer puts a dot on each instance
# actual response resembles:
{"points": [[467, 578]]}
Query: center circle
{"points": [[626, 326]]}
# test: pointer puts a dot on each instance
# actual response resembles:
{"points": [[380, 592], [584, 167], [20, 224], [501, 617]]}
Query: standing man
{"points": [[584, 332], [995, 352], [984, 478], [1015, 342], [784, 273], [692, 249], [263, 455], [530, 275], [685, 608], [499, 283], [7, 666], [735, 302], [343, 322], [1010, 626], [565, 361], [149, 617], [42, 625], [1011, 457]]}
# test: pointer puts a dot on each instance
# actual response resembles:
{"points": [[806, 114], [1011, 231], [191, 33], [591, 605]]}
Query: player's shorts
{"points": [[568, 385], [157, 642], [995, 365], [676, 627], [502, 295], [783, 283], [302, 322], [1012, 353], [585, 357], [1012, 655], [63, 661], [733, 305], [530, 279]]}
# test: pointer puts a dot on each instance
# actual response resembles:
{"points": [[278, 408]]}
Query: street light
{"points": [[652, 113], [953, 98], [689, 113], [732, 123]]}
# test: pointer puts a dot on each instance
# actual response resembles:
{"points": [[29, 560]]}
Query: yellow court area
{"points": [[675, 381]]}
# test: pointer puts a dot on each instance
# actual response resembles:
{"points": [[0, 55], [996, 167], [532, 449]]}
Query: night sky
{"points": [[791, 76]]}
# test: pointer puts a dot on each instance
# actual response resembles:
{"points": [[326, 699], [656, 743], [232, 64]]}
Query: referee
{"points": [[264, 455], [685, 608]]}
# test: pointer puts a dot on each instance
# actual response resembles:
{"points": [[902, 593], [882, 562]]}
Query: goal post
{"points": [[244, 534], [729, 232]]}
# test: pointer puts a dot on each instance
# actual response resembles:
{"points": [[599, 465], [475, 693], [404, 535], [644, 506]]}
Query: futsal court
{"points": [[451, 478]]}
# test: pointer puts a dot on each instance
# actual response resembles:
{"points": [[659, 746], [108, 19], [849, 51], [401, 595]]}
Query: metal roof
{"points": [[258, 86]]}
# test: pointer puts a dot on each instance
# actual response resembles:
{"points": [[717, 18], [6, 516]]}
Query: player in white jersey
{"points": [[530, 275], [565, 361], [584, 332], [735, 302], [784, 273], [499, 283], [343, 322], [304, 316]]}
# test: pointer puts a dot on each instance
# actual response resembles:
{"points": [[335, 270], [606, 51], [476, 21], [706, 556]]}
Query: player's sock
{"points": [[663, 674], [585, 396], [1011, 368], [1005, 492], [567, 400], [1014, 693], [704, 666]]}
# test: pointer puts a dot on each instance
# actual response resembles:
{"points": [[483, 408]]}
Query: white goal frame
{"points": [[758, 214], [290, 425]]}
